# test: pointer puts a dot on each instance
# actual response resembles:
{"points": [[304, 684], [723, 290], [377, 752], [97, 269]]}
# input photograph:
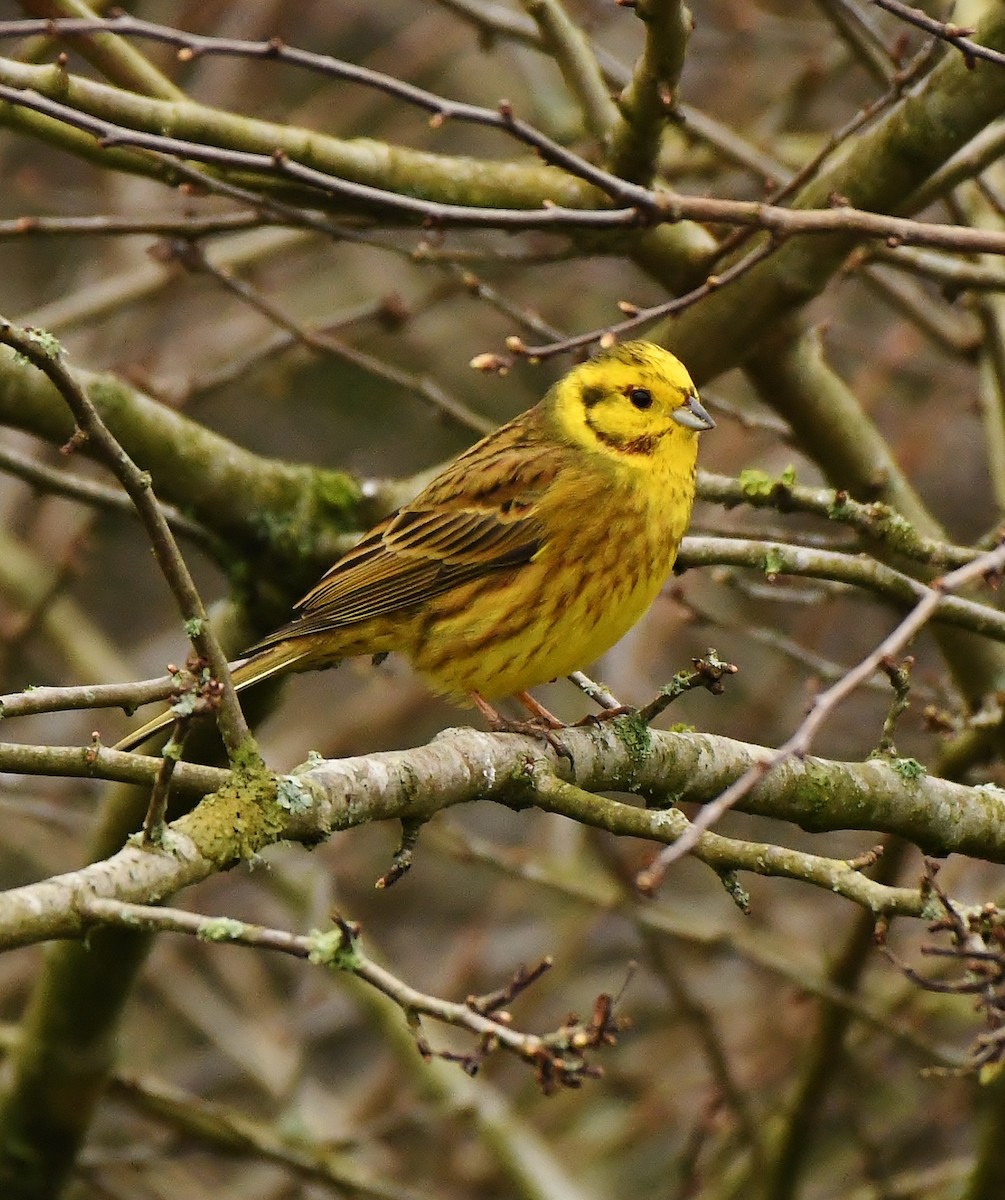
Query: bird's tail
{"points": [[271, 660]]}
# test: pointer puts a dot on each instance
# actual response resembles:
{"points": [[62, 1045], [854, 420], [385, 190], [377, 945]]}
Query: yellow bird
{"points": [[528, 556]]}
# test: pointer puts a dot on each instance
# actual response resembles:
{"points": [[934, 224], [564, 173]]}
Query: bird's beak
{"points": [[692, 415]]}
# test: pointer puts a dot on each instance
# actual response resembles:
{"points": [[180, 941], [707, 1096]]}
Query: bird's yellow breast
{"points": [[612, 543]]}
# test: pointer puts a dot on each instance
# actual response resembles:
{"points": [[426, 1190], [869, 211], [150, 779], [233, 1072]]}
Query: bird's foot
{"points": [[542, 724]]}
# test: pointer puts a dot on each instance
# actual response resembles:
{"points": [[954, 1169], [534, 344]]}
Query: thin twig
{"points": [[116, 226], [596, 691], [127, 696], [640, 206], [190, 255], [945, 31], [775, 558], [645, 316], [89, 491], [875, 520], [558, 1057], [156, 814]]}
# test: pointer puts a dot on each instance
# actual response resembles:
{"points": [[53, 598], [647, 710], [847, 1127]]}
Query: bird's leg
{"points": [[493, 718], [550, 721], [541, 718], [538, 711], [542, 726]]}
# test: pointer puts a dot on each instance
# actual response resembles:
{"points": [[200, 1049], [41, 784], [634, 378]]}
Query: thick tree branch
{"points": [[462, 765], [651, 95]]}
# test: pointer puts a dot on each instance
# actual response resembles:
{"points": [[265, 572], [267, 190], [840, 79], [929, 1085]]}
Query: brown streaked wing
{"points": [[486, 522]]}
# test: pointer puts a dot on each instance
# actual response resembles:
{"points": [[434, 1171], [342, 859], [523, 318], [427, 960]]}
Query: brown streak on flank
{"points": [[515, 613], [434, 657]]}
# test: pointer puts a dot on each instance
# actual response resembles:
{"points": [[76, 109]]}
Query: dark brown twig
{"points": [[559, 1058], [945, 31]]}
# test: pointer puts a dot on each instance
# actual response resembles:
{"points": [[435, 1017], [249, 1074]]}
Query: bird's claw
{"points": [[535, 728]]}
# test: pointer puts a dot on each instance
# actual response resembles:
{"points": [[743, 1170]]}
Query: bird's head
{"points": [[631, 403]]}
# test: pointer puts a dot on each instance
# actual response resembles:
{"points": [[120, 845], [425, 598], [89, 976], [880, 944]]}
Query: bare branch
{"points": [[955, 35], [559, 1057], [821, 709]]}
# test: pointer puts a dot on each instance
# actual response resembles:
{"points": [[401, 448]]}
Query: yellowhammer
{"points": [[529, 555]]}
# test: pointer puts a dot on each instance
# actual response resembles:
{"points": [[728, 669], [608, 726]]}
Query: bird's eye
{"points": [[641, 397]]}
